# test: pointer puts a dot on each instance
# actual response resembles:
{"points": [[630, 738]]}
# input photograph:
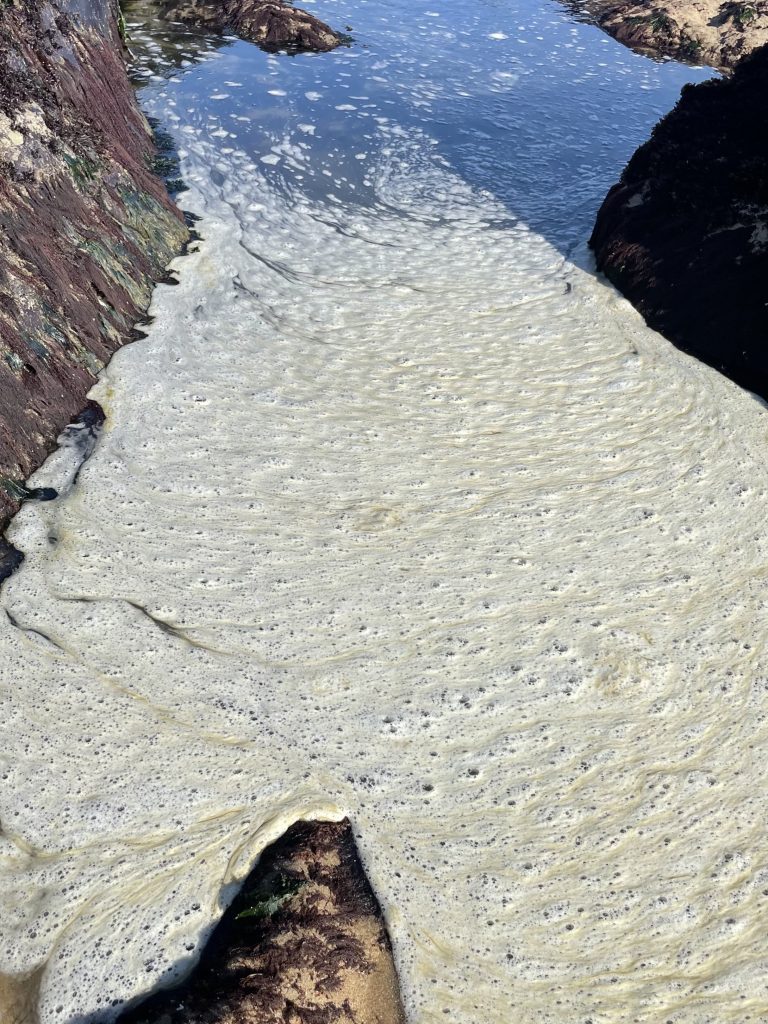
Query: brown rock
{"points": [[303, 943], [271, 24], [713, 32], [684, 234], [86, 228]]}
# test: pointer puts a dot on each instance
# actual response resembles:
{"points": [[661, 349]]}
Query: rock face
{"points": [[86, 228], [303, 943], [272, 24], [684, 234], [713, 32]]}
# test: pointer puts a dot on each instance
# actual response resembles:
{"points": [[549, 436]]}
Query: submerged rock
{"points": [[714, 32], [303, 943], [684, 234], [87, 227], [272, 24]]}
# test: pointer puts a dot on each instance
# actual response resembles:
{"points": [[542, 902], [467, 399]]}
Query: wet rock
{"points": [[684, 234], [86, 227], [713, 32], [10, 560], [303, 943], [272, 24]]}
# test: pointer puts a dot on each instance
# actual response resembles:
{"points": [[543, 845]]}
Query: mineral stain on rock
{"points": [[303, 943]]}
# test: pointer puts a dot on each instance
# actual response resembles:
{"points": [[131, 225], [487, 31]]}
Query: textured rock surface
{"points": [[86, 228], [304, 943], [684, 234], [714, 32], [272, 24]]}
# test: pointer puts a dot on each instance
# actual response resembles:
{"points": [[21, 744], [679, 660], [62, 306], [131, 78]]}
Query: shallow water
{"points": [[400, 513]]}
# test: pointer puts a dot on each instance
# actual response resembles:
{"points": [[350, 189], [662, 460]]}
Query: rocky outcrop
{"points": [[272, 24], [684, 234], [303, 943], [713, 32], [86, 227]]}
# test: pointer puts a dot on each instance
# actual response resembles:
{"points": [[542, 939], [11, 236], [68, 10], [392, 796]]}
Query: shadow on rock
{"points": [[684, 234]]}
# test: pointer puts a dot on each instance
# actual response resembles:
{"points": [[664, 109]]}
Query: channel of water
{"points": [[400, 512]]}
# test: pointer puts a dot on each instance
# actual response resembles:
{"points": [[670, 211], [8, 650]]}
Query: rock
{"points": [[86, 228], [708, 32], [272, 24], [10, 560], [303, 943], [684, 234]]}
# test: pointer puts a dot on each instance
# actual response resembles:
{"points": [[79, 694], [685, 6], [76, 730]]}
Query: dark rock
{"points": [[303, 943], [86, 227], [684, 234], [272, 24], [10, 560]]}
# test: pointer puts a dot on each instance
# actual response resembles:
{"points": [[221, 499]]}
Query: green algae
{"points": [[271, 893]]}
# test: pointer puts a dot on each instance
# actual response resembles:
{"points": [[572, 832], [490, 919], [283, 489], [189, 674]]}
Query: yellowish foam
{"points": [[419, 523]]}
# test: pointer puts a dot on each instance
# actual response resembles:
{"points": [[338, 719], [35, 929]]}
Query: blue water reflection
{"points": [[516, 96]]}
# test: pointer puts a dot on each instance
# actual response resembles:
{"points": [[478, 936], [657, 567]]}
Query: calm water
{"points": [[517, 98], [400, 513]]}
